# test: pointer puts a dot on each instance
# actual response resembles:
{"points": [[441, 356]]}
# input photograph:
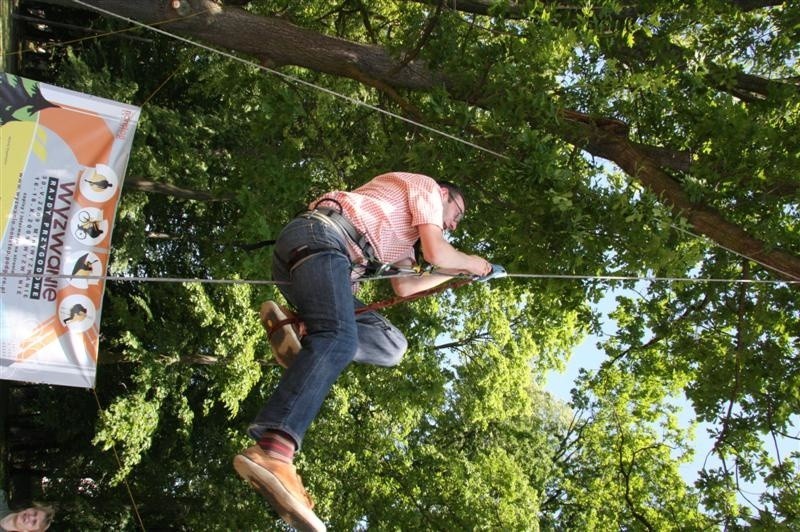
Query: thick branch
{"points": [[680, 161], [649, 50], [144, 185], [749, 87], [752, 5], [704, 219], [515, 9], [275, 42], [746, 86]]}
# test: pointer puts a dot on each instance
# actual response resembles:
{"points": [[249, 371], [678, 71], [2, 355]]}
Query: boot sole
{"points": [[283, 340], [271, 488]]}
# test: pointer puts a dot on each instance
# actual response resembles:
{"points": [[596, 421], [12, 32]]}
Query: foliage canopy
{"points": [[643, 138]]}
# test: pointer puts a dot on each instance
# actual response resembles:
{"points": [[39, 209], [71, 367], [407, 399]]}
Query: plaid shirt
{"points": [[388, 210]]}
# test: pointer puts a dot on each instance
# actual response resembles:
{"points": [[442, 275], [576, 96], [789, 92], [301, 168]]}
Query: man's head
{"points": [[454, 205], [34, 519]]}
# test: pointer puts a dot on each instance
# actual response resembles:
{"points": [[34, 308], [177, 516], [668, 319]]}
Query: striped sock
{"points": [[278, 445]]}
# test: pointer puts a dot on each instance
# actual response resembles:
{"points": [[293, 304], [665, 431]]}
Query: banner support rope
{"points": [[119, 463]]}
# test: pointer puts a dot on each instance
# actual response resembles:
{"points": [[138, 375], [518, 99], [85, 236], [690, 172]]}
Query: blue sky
{"points": [[588, 356]]}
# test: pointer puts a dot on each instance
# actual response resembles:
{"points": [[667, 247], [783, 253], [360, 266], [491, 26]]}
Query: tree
{"points": [[696, 107], [481, 87]]}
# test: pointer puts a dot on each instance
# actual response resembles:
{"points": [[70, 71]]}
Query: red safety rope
{"points": [[379, 305], [385, 303]]}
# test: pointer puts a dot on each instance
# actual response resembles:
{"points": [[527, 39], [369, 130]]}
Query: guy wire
{"points": [[293, 79], [119, 463]]}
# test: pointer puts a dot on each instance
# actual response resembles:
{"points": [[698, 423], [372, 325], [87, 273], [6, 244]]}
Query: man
{"points": [[35, 519], [314, 255]]}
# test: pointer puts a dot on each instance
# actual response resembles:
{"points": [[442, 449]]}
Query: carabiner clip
{"points": [[497, 272]]}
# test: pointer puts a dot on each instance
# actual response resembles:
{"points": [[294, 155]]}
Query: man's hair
{"points": [[49, 514], [453, 190]]}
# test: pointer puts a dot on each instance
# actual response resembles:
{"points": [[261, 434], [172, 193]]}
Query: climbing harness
{"points": [[335, 218], [460, 280]]}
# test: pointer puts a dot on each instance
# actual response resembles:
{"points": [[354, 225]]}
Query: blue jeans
{"points": [[320, 289]]}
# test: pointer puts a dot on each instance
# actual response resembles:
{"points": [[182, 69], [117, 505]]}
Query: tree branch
{"points": [[278, 42], [142, 184], [704, 219], [626, 471]]}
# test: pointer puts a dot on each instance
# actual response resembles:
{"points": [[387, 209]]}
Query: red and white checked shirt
{"points": [[388, 210]]}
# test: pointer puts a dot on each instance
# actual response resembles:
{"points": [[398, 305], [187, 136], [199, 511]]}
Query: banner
{"points": [[63, 156]]}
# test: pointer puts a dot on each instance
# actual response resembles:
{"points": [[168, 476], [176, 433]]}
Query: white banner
{"points": [[63, 156]]}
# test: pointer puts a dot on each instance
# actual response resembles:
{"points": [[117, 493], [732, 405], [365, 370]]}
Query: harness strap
{"points": [[376, 267], [378, 305], [300, 254], [346, 227]]}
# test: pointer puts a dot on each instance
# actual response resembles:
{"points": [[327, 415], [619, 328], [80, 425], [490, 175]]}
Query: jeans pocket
{"points": [[303, 235], [374, 319]]}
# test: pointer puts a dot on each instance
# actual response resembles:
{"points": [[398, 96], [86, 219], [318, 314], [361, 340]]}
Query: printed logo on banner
{"points": [[63, 158]]}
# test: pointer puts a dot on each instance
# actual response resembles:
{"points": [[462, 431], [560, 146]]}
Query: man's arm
{"points": [[445, 257]]}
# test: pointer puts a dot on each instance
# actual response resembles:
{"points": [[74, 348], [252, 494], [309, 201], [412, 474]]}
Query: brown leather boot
{"points": [[279, 483], [284, 339]]}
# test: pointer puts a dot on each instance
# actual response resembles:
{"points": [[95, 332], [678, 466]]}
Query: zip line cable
{"points": [[294, 79], [600, 277], [138, 279], [649, 278], [200, 280]]}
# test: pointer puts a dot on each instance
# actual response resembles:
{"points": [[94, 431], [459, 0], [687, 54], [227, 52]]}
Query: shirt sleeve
{"points": [[425, 201]]}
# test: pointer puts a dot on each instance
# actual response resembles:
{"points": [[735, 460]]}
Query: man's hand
{"points": [[496, 273], [480, 266]]}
